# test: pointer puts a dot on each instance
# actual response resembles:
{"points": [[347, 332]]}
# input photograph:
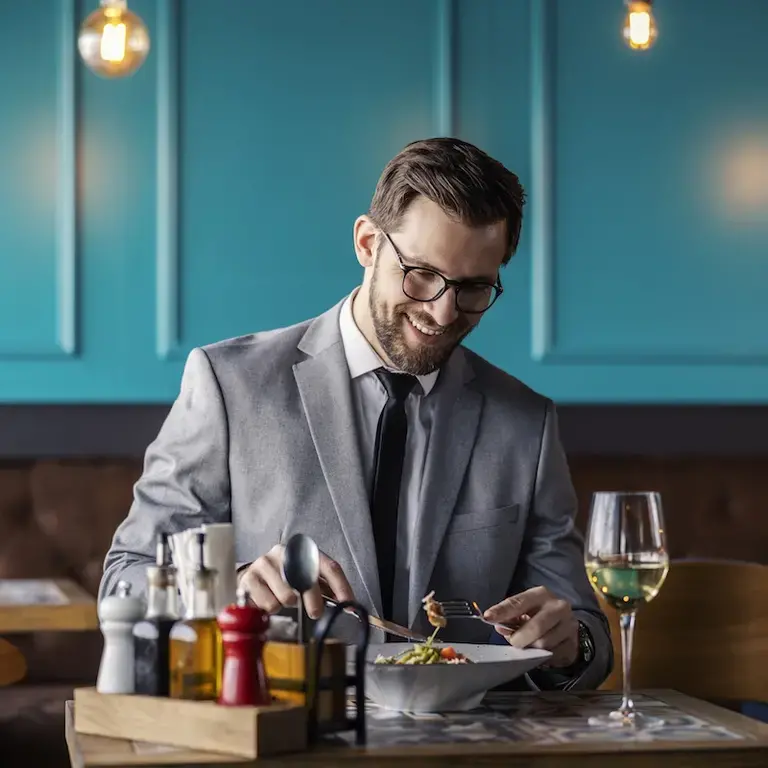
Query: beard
{"points": [[389, 326]]}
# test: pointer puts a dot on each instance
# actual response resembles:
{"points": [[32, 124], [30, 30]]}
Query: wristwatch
{"points": [[586, 653]]}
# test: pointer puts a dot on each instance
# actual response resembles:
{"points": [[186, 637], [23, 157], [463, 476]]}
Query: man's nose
{"points": [[443, 310]]}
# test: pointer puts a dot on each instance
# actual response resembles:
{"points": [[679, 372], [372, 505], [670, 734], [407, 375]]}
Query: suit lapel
{"points": [[325, 390], [454, 427]]}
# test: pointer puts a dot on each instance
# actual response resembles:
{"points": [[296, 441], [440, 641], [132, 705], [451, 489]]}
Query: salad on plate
{"points": [[427, 652]]}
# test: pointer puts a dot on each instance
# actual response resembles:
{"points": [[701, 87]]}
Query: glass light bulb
{"points": [[639, 25], [113, 41]]}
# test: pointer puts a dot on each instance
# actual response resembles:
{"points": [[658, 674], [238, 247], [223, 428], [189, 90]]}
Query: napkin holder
{"points": [[287, 664], [316, 724]]}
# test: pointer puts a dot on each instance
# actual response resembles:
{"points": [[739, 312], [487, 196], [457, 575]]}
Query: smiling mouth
{"points": [[425, 329]]}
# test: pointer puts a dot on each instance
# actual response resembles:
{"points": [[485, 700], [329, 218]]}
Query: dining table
{"points": [[39, 605], [512, 729]]}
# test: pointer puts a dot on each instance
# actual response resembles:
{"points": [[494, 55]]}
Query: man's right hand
{"points": [[263, 580]]}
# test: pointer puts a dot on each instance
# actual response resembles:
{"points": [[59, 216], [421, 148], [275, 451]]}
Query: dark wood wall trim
{"points": [[63, 431], [60, 431], [664, 430]]}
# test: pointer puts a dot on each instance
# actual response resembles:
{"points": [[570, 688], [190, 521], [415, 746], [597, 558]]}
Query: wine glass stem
{"points": [[627, 624]]}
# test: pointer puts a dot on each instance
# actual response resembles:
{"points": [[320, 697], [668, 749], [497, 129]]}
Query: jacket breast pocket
{"points": [[466, 522], [479, 554]]}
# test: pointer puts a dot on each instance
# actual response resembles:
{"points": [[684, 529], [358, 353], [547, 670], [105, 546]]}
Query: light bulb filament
{"points": [[113, 42], [639, 27]]}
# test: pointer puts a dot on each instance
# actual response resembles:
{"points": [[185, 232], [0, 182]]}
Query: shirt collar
{"points": [[361, 356]]}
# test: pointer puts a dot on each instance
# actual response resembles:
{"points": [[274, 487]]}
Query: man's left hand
{"points": [[543, 621]]}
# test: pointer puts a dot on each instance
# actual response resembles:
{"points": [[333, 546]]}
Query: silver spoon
{"points": [[301, 570]]}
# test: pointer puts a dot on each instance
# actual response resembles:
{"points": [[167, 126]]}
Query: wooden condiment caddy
{"points": [[306, 702], [205, 725]]}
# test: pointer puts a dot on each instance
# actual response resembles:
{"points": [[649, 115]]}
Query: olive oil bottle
{"points": [[195, 647]]}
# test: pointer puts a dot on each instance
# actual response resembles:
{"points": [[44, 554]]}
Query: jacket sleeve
{"points": [[553, 557], [185, 479]]}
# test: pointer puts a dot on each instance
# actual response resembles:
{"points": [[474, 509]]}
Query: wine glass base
{"points": [[617, 719]]}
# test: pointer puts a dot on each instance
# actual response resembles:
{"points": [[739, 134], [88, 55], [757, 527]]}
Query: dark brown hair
{"points": [[464, 181]]}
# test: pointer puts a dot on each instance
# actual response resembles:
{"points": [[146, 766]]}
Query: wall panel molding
{"points": [[66, 276], [544, 344], [445, 76], [542, 65], [168, 269], [65, 344], [168, 301]]}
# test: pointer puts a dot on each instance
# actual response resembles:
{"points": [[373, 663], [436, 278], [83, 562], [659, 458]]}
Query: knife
{"points": [[386, 626]]}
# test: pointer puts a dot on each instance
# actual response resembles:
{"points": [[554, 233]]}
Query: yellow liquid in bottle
{"points": [[195, 660], [195, 652]]}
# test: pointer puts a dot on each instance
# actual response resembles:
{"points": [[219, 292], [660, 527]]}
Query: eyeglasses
{"points": [[421, 284]]}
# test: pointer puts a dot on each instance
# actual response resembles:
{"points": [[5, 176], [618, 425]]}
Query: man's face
{"points": [[418, 337]]}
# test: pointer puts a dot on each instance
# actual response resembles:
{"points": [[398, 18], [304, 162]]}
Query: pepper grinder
{"points": [[243, 634], [117, 615]]}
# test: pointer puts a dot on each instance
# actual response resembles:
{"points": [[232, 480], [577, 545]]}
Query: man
{"points": [[414, 464]]}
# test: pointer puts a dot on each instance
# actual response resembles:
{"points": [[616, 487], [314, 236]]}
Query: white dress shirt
{"points": [[369, 397]]}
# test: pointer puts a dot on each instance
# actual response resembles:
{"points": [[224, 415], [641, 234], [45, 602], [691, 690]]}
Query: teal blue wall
{"points": [[213, 193]]}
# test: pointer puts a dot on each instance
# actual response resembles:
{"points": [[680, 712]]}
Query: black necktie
{"points": [[387, 469]]}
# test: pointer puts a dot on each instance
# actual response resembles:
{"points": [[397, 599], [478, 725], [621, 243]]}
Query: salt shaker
{"points": [[117, 615], [243, 634]]}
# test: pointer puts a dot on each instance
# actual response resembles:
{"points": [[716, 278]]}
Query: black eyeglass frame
{"points": [[497, 287]]}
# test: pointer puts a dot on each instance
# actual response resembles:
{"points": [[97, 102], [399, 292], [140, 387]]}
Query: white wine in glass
{"points": [[627, 561]]}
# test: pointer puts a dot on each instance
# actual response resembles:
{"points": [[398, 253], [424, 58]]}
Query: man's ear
{"points": [[364, 234]]}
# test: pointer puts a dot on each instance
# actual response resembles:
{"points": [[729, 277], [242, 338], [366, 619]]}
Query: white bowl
{"points": [[445, 687]]}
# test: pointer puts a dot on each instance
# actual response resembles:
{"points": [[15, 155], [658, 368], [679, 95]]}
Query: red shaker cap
{"points": [[243, 616]]}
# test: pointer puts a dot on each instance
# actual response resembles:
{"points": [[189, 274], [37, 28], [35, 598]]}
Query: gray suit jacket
{"points": [[262, 435]]}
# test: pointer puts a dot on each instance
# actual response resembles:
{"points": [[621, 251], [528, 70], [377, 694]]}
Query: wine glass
{"points": [[627, 562]]}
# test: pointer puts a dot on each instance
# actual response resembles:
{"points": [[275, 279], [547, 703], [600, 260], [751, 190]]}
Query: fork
{"points": [[464, 609]]}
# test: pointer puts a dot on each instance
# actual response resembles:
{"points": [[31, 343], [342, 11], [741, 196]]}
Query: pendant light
{"points": [[113, 41]]}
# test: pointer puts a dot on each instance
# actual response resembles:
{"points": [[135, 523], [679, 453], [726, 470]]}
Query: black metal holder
{"points": [[322, 630]]}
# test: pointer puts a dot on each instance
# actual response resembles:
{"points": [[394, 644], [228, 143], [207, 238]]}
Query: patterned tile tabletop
{"points": [[538, 719]]}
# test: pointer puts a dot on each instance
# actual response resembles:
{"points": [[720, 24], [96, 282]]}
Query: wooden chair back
{"points": [[13, 666], [705, 634]]}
